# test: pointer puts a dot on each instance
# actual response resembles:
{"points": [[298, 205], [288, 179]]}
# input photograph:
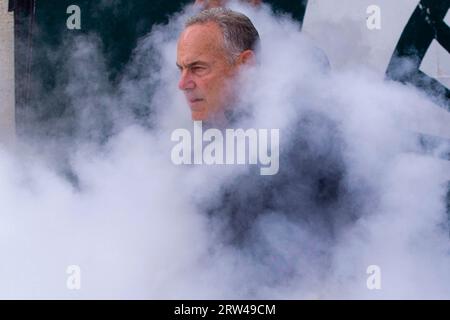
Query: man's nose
{"points": [[186, 82]]}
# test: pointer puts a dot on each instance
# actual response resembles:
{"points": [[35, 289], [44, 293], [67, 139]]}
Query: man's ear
{"points": [[247, 57]]}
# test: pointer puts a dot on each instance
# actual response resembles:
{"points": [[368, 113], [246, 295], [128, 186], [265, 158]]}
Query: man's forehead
{"points": [[200, 39], [208, 29]]}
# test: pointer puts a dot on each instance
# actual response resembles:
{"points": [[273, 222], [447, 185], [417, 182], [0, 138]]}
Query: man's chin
{"points": [[198, 116]]}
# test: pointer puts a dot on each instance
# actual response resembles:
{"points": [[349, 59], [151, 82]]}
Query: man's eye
{"points": [[198, 69]]}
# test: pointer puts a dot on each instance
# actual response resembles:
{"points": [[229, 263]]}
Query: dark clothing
{"points": [[308, 189]]}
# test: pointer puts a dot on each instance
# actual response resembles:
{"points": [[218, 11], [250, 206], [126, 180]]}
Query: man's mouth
{"points": [[193, 103]]}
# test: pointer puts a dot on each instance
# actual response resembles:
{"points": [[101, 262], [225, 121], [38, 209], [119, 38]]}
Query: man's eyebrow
{"points": [[193, 64]]}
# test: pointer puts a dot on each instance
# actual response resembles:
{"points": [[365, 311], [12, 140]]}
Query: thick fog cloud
{"points": [[111, 201]]}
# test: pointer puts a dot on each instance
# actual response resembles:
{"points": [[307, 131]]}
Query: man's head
{"points": [[213, 46]]}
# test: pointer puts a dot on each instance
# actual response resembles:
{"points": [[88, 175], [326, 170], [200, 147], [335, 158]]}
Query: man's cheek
{"points": [[215, 93]]}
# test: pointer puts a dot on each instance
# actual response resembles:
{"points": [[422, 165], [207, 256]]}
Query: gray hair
{"points": [[239, 33]]}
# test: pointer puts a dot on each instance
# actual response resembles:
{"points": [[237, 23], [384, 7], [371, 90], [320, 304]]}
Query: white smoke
{"points": [[137, 225]]}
